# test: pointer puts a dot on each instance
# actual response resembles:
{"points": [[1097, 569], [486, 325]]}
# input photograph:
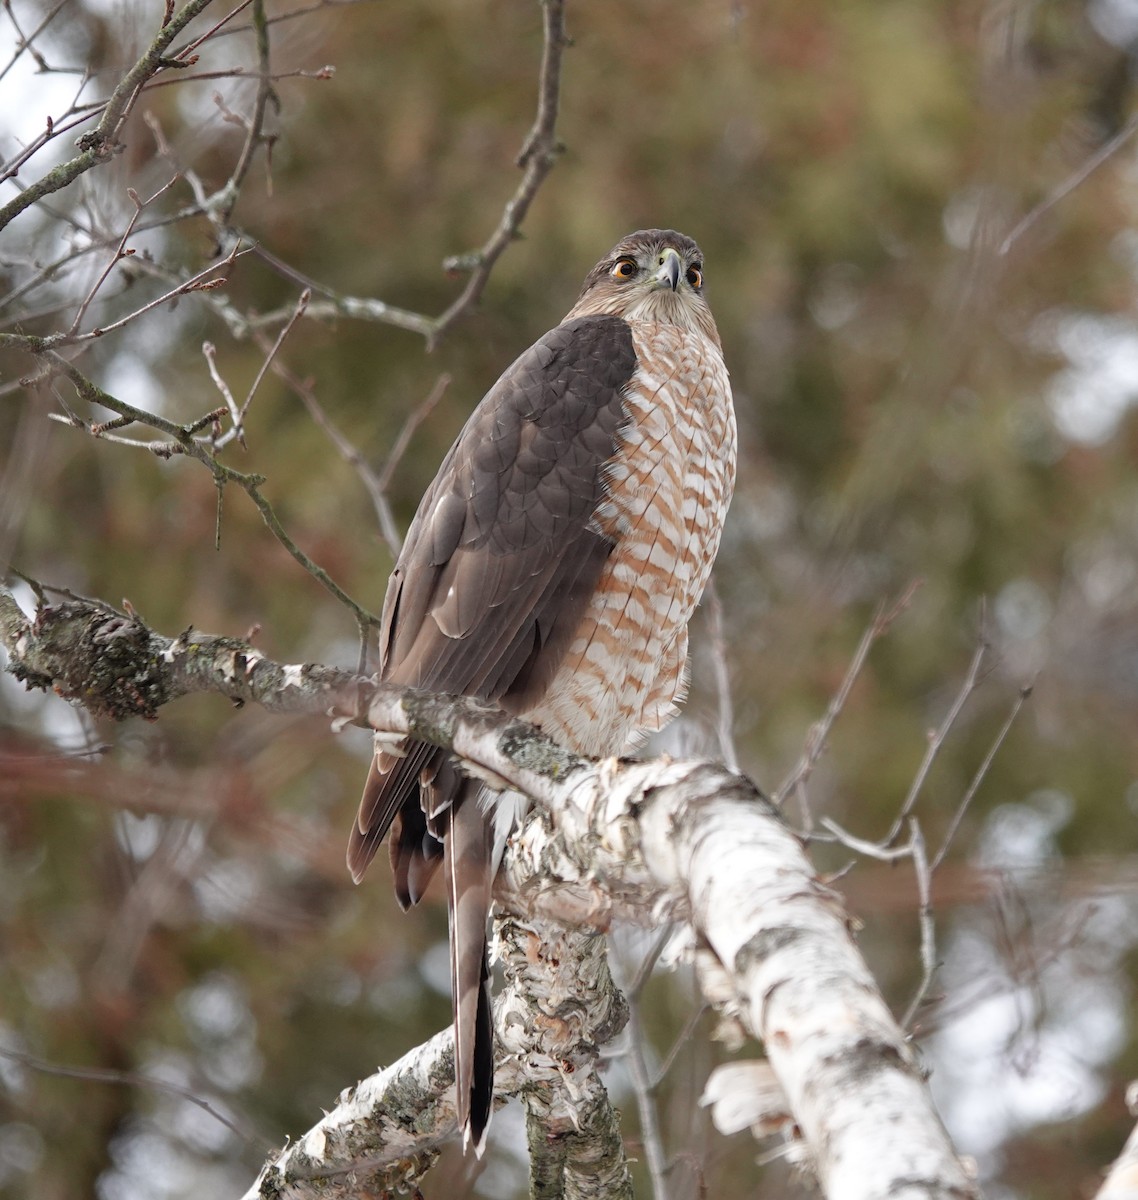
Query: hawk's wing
{"points": [[502, 556], [499, 565]]}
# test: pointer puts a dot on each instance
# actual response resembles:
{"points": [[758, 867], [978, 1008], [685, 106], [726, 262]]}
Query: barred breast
{"points": [[668, 489]]}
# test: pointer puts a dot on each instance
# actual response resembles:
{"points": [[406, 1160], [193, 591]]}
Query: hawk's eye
{"points": [[695, 277], [624, 268]]}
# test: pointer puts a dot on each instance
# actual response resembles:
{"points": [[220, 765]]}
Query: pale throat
{"points": [[658, 306], [664, 307]]}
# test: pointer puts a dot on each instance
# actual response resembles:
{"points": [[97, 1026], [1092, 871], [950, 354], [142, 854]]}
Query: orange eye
{"points": [[624, 268], [695, 277]]}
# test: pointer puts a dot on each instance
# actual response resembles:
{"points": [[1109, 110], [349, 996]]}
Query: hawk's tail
{"points": [[469, 873]]}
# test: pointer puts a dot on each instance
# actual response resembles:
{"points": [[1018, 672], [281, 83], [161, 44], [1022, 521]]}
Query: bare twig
{"points": [[403, 439], [297, 313], [332, 304], [820, 732], [375, 483], [635, 988], [925, 921], [134, 1079], [937, 737], [1077, 177], [23, 470], [183, 442], [347, 449], [881, 851], [99, 145], [292, 15], [913, 849], [237, 413], [209, 352], [54, 128], [643, 1085], [256, 135], [538, 154], [183, 54], [683, 1038], [238, 72], [196, 283], [24, 41], [121, 250], [650, 1135], [978, 778], [303, 11]]}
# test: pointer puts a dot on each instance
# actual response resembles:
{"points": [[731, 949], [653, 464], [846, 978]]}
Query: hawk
{"points": [[552, 568]]}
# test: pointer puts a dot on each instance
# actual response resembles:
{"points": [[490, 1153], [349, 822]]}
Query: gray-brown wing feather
{"points": [[503, 555]]}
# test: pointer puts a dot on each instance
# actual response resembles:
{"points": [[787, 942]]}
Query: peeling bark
{"points": [[559, 1007]]}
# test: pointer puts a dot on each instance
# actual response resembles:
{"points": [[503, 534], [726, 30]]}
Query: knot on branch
{"points": [[102, 660], [101, 144]]}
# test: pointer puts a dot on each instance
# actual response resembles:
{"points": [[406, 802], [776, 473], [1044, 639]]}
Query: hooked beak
{"points": [[671, 269]]}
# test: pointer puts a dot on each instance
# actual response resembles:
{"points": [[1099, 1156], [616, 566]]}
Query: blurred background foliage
{"points": [[927, 389]]}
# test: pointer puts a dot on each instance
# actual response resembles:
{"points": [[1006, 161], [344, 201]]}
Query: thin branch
{"points": [[134, 1079], [642, 1084], [980, 775], [49, 273], [99, 146], [183, 54], [120, 253], [915, 850], [256, 135], [362, 308], [538, 154], [882, 851], [291, 15], [348, 450], [238, 72], [683, 1038], [1077, 177], [102, 431], [196, 283], [403, 439], [209, 352], [297, 313], [924, 920], [820, 732], [183, 442], [54, 128], [24, 41], [376, 484], [635, 988], [937, 738]]}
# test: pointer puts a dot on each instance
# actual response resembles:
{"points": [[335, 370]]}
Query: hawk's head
{"points": [[650, 275]]}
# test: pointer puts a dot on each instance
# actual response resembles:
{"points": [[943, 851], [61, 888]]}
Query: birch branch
{"points": [[558, 1008], [113, 665], [380, 1137], [687, 839]]}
